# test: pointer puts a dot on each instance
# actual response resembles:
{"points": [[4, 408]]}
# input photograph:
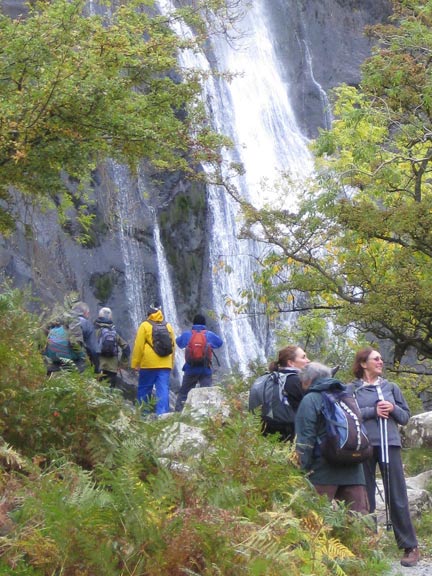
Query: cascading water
{"points": [[128, 200], [326, 108], [254, 110], [167, 295], [130, 207], [262, 122]]}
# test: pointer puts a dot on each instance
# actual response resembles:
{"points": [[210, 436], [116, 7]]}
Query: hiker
{"points": [[63, 342], [153, 356], [81, 311], [291, 360], [344, 482], [199, 344], [110, 343], [63, 348], [384, 408]]}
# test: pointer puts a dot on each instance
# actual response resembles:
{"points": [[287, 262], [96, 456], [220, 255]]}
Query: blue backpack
{"points": [[58, 346], [346, 441]]}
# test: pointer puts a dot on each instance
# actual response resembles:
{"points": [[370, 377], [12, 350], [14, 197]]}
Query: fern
{"points": [[11, 459]]}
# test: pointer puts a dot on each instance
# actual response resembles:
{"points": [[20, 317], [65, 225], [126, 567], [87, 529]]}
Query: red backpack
{"points": [[198, 351]]}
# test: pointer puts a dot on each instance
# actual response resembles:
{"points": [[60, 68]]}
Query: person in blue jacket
{"points": [[195, 374]]}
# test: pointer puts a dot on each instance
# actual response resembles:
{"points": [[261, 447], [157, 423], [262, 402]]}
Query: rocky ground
{"points": [[423, 568]]}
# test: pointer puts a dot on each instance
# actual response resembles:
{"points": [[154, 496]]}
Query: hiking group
{"points": [[72, 341], [342, 432]]}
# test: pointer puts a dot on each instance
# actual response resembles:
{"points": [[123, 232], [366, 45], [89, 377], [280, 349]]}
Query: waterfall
{"points": [[261, 122], [254, 110], [167, 295], [326, 108], [130, 205], [127, 201]]}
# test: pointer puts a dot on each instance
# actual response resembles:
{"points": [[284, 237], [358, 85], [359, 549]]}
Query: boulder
{"points": [[207, 403], [420, 499], [418, 431], [182, 439]]}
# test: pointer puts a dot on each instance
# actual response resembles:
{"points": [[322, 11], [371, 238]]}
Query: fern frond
{"points": [[313, 522], [334, 549], [10, 459]]}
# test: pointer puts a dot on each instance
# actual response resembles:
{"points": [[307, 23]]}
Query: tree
{"points": [[76, 89], [360, 246]]}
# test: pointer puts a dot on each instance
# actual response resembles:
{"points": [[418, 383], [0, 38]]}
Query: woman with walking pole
{"points": [[383, 408]]}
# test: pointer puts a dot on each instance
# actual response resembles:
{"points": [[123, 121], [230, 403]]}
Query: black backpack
{"points": [[108, 346], [346, 441], [268, 392], [162, 342]]}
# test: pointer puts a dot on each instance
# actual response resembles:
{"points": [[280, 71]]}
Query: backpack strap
{"points": [[286, 376]]}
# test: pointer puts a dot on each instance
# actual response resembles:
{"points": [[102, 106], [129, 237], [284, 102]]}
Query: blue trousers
{"points": [[159, 378]]}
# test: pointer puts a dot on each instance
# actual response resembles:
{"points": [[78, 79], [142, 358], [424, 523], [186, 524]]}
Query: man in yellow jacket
{"points": [[153, 356]]}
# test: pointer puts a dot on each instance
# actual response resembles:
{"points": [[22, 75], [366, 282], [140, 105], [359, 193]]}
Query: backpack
{"points": [[346, 441], [268, 392], [107, 344], [59, 347], [198, 352], [162, 342]]}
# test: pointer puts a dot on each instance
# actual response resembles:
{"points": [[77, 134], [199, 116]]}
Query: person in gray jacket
{"points": [[339, 482], [381, 400], [81, 311]]}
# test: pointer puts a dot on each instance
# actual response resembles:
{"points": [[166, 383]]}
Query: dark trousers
{"points": [[285, 431], [190, 381], [108, 376], [398, 498], [354, 496]]}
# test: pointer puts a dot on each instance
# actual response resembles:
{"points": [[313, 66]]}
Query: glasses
{"points": [[375, 358]]}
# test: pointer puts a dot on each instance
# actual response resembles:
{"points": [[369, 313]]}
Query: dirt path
{"points": [[423, 568]]}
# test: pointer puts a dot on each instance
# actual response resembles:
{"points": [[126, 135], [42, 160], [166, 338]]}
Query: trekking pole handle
{"points": [[383, 430]]}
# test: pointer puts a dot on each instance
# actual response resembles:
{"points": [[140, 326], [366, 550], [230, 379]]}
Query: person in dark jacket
{"points": [[81, 311], [194, 375], [291, 360], [380, 400], [62, 338], [109, 365], [339, 482]]}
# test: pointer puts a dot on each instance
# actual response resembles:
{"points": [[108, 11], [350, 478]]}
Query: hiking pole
{"points": [[385, 463], [217, 359], [378, 489]]}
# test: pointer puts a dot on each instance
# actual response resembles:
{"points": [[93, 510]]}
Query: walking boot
{"points": [[410, 557]]}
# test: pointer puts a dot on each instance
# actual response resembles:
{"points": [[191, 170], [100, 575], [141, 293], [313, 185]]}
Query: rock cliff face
{"points": [[320, 43]]}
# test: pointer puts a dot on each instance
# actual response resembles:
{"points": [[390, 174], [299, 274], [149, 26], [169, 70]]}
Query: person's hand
{"points": [[384, 408]]}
